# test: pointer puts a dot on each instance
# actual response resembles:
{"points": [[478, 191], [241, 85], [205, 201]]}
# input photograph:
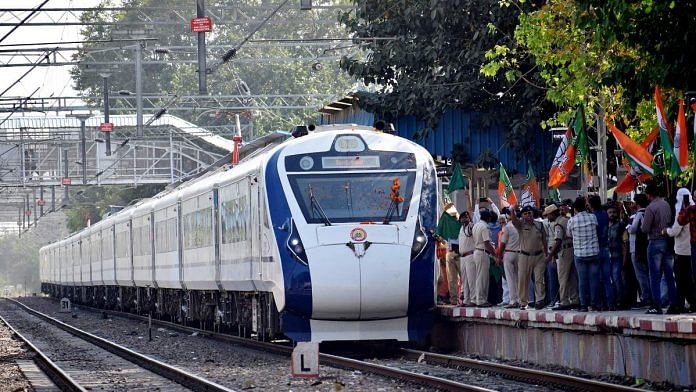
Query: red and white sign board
{"points": [[305, 360], [41, 202], [201, 25], [106, 127], [67, 181]]}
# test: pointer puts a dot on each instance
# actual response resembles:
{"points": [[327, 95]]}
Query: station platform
{"points": [[659, 348]]}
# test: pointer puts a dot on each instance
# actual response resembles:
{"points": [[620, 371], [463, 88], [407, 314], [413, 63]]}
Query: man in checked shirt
{"points": [[582, 228]]}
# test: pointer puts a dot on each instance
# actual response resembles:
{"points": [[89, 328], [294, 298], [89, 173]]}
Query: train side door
{"points": [[253, 221]]}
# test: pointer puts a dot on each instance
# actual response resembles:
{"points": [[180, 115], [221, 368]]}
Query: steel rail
{"points": [[324, 359], [169, 372], [55, 373], [517, 373]]}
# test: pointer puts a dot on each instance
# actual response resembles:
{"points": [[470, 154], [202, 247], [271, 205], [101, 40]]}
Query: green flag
{"points": [[580, 136], [457, 180]]}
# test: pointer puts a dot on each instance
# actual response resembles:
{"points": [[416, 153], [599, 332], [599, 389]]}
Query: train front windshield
{"points": [[352, 197]]}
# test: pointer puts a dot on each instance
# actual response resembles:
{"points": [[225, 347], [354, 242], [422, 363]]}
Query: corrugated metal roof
{"points": [[455, 126]]}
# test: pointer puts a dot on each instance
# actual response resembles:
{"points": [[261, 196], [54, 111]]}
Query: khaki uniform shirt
{"points": [[531, 236], [560, 232]]}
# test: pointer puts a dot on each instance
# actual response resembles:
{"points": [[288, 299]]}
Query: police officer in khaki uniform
{"points": [[531, 259], [563, 248], [483, 250]]}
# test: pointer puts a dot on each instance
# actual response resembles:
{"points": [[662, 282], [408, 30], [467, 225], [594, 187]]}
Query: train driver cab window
{"points": [[354, 197]]}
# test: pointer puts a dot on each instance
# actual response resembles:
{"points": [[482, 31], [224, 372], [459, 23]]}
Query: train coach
{"points": [[327, 236]]}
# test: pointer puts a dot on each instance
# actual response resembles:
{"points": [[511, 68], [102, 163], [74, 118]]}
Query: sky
{"points": [[51, 80]]}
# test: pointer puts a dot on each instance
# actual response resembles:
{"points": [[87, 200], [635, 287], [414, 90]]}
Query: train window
{"points": [[198, 229], [234, 220], [351, 197], [165, 236]]}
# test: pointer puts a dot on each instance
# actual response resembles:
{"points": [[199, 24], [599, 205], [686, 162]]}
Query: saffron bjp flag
{"points": [[681, 148], [530, 189], [506, 194], [635, 152], [563, 161]]}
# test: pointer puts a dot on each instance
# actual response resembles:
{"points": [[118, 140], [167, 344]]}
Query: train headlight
{"points": [[420, 240], [294, 245]]}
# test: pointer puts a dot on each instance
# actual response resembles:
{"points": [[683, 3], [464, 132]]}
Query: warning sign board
{"points": [[201, 25], [106, 127], [305, 360]]}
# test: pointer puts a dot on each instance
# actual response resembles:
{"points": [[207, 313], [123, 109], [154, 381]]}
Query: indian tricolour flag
{"points": [[681, 148], [506, 193], [637, 153]]}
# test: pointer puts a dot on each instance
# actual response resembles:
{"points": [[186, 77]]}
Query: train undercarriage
{"points": [[240, 313]]}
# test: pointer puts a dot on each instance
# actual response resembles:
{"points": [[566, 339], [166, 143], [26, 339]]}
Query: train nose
{"points": [[359, 279]]}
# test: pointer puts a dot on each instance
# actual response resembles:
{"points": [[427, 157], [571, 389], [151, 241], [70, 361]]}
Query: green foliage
{"points": [[290, 77], [424, 58], [607, 53]]}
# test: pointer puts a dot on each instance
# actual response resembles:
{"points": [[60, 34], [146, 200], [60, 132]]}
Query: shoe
{"points": [[512, 306], [525, 307], [484, 305], [591, 309], [539, 305], [583, 309], [653, 310], [673, 310], [469, 305], [574, 307], [562, 307], [612, 308], [502, 304]]}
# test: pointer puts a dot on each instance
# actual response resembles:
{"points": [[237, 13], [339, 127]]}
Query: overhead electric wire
{"points": [[36, 64], [35, 10]]}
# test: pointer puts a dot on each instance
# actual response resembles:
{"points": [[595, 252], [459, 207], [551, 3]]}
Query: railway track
{"points": [[90, 362], [516, 373], [522, 375]]}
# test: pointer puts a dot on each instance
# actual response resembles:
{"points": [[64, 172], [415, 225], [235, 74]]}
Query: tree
{"points": [[609, 53], [239, 76], [424, 58]]}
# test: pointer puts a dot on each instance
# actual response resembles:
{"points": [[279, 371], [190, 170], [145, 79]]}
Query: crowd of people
{"points": [[574, 255]]}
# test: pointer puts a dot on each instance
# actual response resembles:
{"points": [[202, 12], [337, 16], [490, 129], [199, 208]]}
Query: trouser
{"points": [[510, 260], [686, 289], [526, 266], [693, 261], [551, 282], [453, 274], [588, 280], [468, 270], [660, 261], [481, 265], [567, 278], [605, 274], [442, 278], [643, 278], [617, 277]]}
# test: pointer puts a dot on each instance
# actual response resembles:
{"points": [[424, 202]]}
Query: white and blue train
{"points": [[324, 237]]}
